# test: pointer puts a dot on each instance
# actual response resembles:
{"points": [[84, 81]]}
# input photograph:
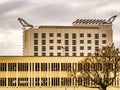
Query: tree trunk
{"points": [[104, 88]]}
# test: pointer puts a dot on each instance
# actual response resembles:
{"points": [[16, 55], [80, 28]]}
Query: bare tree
{"points": [[101, 69]]}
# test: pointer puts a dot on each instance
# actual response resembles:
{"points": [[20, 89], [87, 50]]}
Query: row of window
{"points": [[74, 42], [66, 35], [56, 81], [54, 66]]}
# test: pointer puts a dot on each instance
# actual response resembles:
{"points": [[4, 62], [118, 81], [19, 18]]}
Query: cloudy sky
{"points": [[50, 12]]}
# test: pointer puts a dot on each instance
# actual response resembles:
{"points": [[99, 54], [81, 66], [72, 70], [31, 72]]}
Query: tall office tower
{"points": [[82, 38]]}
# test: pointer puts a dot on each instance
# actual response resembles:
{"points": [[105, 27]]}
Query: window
{"points": [[43, 42], [58, 54], [51, 54], [96, 36], [66, 35], [2, 66], [37, 81], [73, 54], [103, 41], [43, 48], [51, 34], [55, 81], [65, 66], [35, 42], [104, 35], [2, 81], [44, 82], [66, 48], [96, 42], [74, 36], [65, 81], [96, 48], [43, 54], [80, 81], [37, 66], [81, 35], [89, 35], [89, 54], [22, 66], [66, 54], [81, 41], [59, 47], [35, 54], [35, 35], [51, 41], [58, 34], [73, 42], [79, 66], [74, 48], [86, 67], [81, 54], [66, 42], [89, 41], [22, 81], [58, 41], [35, 48], [51, 47], [43, 35], [43, 66], [11, 66], [55, 66], [81, 47], [89, 47], [12, 82]]}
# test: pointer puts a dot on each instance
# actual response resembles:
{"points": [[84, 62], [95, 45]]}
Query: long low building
{"points": [[39, 72]]}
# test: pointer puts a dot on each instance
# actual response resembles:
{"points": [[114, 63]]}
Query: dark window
{"points": [[35, 54], [74, 36], [104, 35], [66, 48], [58, 41], [37, 66], [43, 54], [88, 35], [51, 47], [35, 35], [74, 48], [96, 42], [89, 41], [79, 66], [37, 81], [22, 66], [103, 41], [66, 42], [12, 81], [89, 47], [96, 48], [89, 54], [44, 82], [59, 47], [66, 81], [35, 42], [81, 41], [96, 36], [35, 48], [43, 35], [81, 35], [55, 66], [81, 54], [73, 54], [66, 35], [58, 34], [51, 35], [58, 54], [73, 42], [65, 66], [22, 81], [66, 54], [51, 41], [51, 54], [55, 82], [43, 42], [43, 48], [81, 47], [2, 81], [2, 66], [11, 66], [43, 66]]}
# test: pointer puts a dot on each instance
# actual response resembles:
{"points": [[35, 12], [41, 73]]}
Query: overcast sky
{"points": [[50, 12]]}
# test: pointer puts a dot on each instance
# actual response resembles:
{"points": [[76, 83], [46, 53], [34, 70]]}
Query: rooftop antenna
{"points": [[24, 23]]}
